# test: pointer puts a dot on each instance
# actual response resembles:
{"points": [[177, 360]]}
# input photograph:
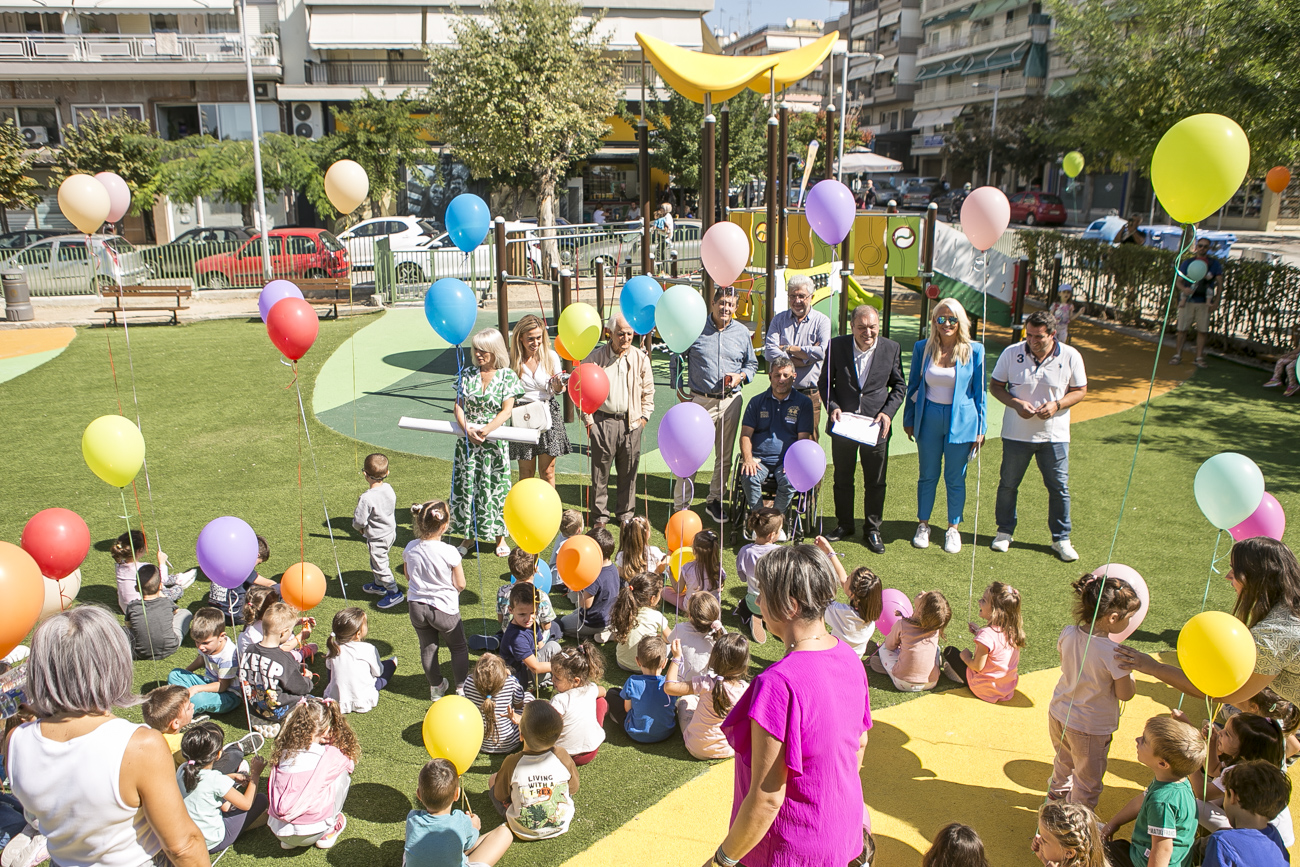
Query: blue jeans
{"points": [[204, 702], [753, 487], [933, 449], [1054, 464], [11, 818]]}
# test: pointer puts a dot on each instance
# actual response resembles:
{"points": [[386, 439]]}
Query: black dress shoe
{"points": [[875, 544], [840, 532]]}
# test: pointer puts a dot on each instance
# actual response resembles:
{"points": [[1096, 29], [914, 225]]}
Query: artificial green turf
{"points": [[223, 439]]}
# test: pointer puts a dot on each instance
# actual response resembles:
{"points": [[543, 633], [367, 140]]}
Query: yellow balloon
{"points": [[1216, 652], [346, 185], [113, 449], [1072, 165], [579, 329], [1198, 165], [532, 513], [453, 730], [85, 202], [676, 560]]}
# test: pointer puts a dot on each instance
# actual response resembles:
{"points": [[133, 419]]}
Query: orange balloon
{"points": [[22, 590], [561, 351], [1278, 178], [303, 586], [682, 527], [578, 562]]}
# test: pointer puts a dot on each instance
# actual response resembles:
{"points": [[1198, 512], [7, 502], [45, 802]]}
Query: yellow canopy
{"points": [[693, 74], [798, 64]]}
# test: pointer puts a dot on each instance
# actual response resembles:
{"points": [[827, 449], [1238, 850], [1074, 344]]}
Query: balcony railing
{"points": [[630, 76], [378, 73], [126, 48], [1012, 84], [979, 37]]}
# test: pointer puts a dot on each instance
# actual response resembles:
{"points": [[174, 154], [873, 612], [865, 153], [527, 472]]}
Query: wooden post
{"points": [[503, 305], [830, 141], [782, 182], [566, 298], [927, 264], [772, 211], [889, 307], [556, 306], [1056, 277], [647, 203], [846, 268], [598, 265], [725, 148]]}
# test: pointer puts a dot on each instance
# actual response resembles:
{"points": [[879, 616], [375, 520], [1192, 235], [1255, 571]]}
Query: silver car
{"points": [[62, 265]]}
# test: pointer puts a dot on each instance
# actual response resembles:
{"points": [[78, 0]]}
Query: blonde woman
{"points": [[480, 474], [538, 368], [945, 413]]}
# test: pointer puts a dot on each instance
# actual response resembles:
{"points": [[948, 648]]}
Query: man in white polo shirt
{"points": [[1039, 380]]}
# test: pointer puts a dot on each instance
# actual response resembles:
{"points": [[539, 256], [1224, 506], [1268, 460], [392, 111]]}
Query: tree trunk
{"points": [[545, 219], [4, 219]]}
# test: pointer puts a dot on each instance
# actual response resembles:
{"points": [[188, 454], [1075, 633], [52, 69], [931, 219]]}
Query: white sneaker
{"points": [[25, 849], [952, 540], [1065, 550], [922, 537], [184, 579], [437, 692], [781, 536], [1001, 543]]}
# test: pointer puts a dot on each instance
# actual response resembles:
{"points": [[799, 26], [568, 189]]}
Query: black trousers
{"points": [[846, 454]]}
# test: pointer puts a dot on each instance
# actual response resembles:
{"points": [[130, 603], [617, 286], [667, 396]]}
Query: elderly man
{"points": [[773, 422], [864, 375], [615, 428], [718, 364], [801, 334], [1038, 379]]}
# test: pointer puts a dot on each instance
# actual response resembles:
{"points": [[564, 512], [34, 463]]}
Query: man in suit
{"points": [[864, 375]]}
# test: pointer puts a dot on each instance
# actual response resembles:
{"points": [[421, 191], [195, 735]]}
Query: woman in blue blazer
{"points": [[945, 413]]}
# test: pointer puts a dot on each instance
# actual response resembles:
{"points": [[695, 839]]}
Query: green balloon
{"points": [[1229, 488], [680, 314], [1072, 164]]}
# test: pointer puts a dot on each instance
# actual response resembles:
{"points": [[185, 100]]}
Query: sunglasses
{"points": [[946, 320]]}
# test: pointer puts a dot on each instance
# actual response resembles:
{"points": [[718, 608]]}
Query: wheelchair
{"points": [[802, 519]]}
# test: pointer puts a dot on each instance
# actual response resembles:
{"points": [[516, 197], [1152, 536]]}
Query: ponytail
{"points": [[708, 560], [866, 593], [490, 675], [729, 662], [583, 664], [430, 518], [704, 613], [200, 747], [345, 627], [259, 599], [128, 546], [638, 593]]}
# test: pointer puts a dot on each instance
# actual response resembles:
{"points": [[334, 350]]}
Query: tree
{"points": [[524, 90], [1030, 133], [117, 144], [386, 137], [203, 166], [17, 189], [675, 136], [805, 126]]}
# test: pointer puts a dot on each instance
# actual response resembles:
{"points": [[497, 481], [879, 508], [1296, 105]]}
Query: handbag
{"points": [[535, 415]]}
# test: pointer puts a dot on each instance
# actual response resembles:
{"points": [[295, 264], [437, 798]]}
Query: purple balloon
{"points": [[897, 606], [685, 438], [276, 290], [1268, 520], [831, 210], [805, 464], [227, 551]]}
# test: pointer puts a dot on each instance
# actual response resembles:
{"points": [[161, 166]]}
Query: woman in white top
{"points": [[945, 413], [538, 368], [101, 789]]}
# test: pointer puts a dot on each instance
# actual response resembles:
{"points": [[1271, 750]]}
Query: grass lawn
{"points": [[222, 438]]}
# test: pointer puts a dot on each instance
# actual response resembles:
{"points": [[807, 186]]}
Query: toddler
{"points": [[696, 635], [635, 553], [440, 835], [1284, 369], [154, 625], [596, 602], [764, 524], [230, 600], [273, 678], [167, 710], [499, 697], [579, 700], [715, 694], [538, 783], [705, 572], [259, 599], [215, 690], [523, 569], [641, 706], [126, 552], [523, 647], [1254, 791], [311, 771], [854, 623], [1269, 704], [1068, 836], [956, 845], [910, 655], [375, 518], [570, 525], [635, 616], [1064, 312], [1084, 711], [434, 581], [213, 799], [356, 672], [991, 670]]}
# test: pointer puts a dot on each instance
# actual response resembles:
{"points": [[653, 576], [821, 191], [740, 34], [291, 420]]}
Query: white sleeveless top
{"points": [[71, 790], [940, 383], [537, 383]]}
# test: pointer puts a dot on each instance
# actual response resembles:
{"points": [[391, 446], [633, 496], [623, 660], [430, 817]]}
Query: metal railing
{"points": [[630, 75], [1011, 85], [367, 72], [128, 48], [979, 37]]}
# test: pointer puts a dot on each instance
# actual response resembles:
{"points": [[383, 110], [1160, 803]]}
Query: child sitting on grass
{"points": [[356, 672], [230, 600], [641, 706], [991, 670], [910, 655], [216, 689], [1163, 816], [311, 771], [579, 700], [1255, 792], [1268, 703], [635, 616], [443, 836], [715, 694], [697, 633], [499, 697], [596, 602], [275, 680], [1284, 372], [537, 784], [635, 553], [705, 572], [375, 519], [570, 526], [126, 552], [154, 625], [213, 799], [523, 570], [764, 525], [1244, 737], [854, 623], [524, 647], [167, 710]]}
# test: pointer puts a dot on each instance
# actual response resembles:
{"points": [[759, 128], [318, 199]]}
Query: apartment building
{"points": [[811, 93], [882, 91]]}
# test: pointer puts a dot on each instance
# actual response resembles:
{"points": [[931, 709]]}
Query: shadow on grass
{"points": [[376, 802], [355, 850]]}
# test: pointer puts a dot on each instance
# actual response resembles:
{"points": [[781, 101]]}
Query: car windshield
{"points": [[119, 244], [330, 243], [1050, 199], [918, 190]]}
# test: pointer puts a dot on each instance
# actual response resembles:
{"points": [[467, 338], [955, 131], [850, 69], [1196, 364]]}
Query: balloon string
{"points": [[302, 519], [113, 369], [979, 452], [144, 461], [311, 450], [356, 443], [144, 609]]}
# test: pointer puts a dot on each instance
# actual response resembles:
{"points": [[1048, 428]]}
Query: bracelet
{"points": [[720, 858]]}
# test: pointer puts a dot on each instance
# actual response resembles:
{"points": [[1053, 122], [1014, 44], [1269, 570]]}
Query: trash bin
{"points": [[18, 303]]}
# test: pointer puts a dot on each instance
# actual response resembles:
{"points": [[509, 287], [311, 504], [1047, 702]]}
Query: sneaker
{"points": [[331, 837], [1065, 550], [756, 630], [781, 536], [714, 510], [251, 743], [952, 540], [463, 548], [391, 600], [199, 718], [922, 537], [25, 849], [503, 550], [375, 589], [267, 730], [183, 579], [604, 636], [437, 692], [1273, 383], [1290, 390], [1001, 543]]}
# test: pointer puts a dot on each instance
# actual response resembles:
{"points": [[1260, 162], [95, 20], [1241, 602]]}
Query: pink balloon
{"points": [[119, 195], [1268, 520], [897, 606], [1129, 576], [985, 215], [725, 251], [831, 210]]}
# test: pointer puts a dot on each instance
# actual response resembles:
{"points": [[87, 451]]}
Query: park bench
{"points": [[334, 291], [158, 297]]}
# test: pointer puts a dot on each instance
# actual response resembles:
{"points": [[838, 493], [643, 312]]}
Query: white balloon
{"points": [[346, 185], [60, 594], [85, 202]]}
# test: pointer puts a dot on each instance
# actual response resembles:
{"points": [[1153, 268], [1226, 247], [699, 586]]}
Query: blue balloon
{"points": [[467, 221], [543, 580], [451, 308], [637, 301]]}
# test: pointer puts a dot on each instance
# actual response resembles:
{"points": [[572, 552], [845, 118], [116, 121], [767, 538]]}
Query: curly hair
{"points": [[1097, 596], [582, 664], [315, 720], [1075, 827]]}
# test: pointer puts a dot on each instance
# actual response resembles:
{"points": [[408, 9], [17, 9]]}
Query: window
{"points": [[223, 22], [72, 251], [35, 256], [84, 112], [300, 245], [164, 22], [254, 250], [42, 22], [46, 118], [94, 22], [329, 242]]}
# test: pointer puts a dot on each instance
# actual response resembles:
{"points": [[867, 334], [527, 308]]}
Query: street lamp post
{"points": [[844, 102], [257, 144], [993, 128]]}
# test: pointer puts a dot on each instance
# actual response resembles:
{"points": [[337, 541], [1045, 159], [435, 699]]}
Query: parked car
{"points": [[441, 258], [917, 196], [404, 234], [294, 253], [620, 246], [177, 257], [63, 265], [1032, 208], [25, 237]]}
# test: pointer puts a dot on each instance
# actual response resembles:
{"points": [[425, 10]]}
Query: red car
{"points": [[294, 253], [1034, 208]]}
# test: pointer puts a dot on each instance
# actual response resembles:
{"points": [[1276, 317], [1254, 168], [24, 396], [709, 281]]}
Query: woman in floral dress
{"points": [[480, 475]]}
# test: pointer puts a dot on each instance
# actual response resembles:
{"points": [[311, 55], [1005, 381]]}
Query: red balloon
{"points": [[292, 325], [589, 386], [58, 541]]}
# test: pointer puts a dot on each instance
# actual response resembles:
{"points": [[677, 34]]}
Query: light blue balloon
{"points": [[637, 301], [1195, 271], [1229, 488], [452, 309], [543, 579], [467, 221], [680, 314]]}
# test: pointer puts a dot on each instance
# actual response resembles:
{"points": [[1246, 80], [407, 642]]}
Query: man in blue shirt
{"points": [[1196, 302], [802, 335], [773, 422]]}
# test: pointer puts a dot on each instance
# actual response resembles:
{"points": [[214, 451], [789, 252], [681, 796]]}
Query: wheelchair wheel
{"points": [[802, 516], [737, 508]]}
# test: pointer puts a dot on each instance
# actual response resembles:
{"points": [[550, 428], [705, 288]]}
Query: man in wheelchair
{"points": [[773, 422]]}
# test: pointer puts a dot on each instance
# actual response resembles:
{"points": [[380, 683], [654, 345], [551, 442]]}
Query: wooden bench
{"points": [[334, 291], [152, 296]]}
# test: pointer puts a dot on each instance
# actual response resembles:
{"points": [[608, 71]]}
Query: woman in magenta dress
{"points": [[799, 731]]}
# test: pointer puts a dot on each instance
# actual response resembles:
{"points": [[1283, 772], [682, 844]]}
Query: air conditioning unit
{"points": [[35, 135], [308, 119], [262, 89]]}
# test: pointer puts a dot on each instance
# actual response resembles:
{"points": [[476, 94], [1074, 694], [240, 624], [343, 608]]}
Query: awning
{"points": [[108, 7], [985, 8], [889, 64], [694, 75], [996, 60], [889, 19], [953, 15], [925, 118], [624, 24], [861, 161], [390, 28], [926, 73], [947, 115], [864, 27]]}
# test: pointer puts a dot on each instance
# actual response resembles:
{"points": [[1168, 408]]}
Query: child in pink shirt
{"points": [[311, 771], [716, 691], [991, 669], [910, 655]]}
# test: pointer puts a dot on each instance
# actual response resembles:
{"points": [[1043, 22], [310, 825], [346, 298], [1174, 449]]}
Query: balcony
{"points": [[155, 56], [367, 73], [1012, 84], [1018, 29]]}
